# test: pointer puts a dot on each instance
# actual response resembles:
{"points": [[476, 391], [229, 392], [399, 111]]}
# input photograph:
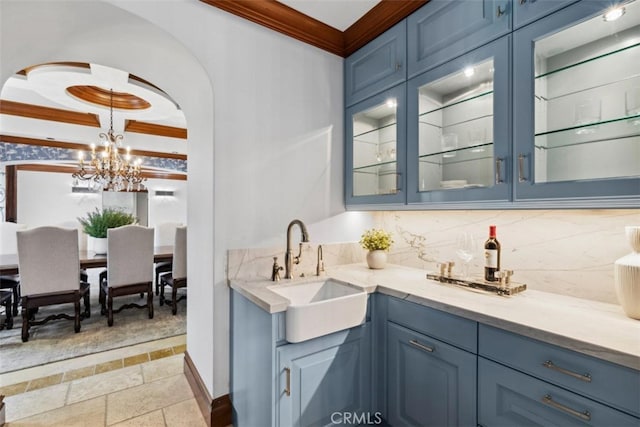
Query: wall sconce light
{"points": [[79, 189], [164, 193]]}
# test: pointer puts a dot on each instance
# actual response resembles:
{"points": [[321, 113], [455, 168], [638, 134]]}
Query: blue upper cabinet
{"points": [[377, 66], [459, 127], [375, 156], [444, 29], [527, 11], [577, 106]]}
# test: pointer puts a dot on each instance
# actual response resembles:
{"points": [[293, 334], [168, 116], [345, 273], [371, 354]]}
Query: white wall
{"points": [[45, 198], [277, 133]]}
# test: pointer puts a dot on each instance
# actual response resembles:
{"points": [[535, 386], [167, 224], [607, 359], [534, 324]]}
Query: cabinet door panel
{"points": [[509, 398], [577, 127], [459, 127], [325, 375], [430, 383], [375, 149], [526, 11], [377, 66], [444, 29]]}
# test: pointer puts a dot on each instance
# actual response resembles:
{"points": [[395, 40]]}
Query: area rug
{"points": [[56, 340]]}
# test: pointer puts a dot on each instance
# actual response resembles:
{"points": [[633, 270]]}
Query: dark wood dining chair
{"points": [[8, 245], [129, 268], [5, 301], [178, 277], [49, 264], [163, 236]]}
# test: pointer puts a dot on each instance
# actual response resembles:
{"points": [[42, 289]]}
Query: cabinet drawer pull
{"points": [[416, 344], [287, 388], [398, 66], [521, 177], [523, 1], [582, 377], [499, 171], [501, 11], [586, 415]]}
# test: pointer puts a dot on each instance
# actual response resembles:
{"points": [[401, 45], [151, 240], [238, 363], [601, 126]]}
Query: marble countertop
{"points": [[589, 327]]}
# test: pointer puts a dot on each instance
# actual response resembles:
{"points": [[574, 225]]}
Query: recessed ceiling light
{"points": [[613, 14], [392, 103], [469, 71]]}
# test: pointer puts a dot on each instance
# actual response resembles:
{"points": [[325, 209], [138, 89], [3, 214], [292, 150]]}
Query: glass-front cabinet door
{"points": [[577, 104], [458, 129], [375, 150]]}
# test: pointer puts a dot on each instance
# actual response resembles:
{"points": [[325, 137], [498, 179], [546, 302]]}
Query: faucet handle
{"points": [[275, 270]]}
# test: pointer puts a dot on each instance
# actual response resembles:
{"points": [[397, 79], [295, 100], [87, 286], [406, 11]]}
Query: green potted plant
{"points": [[95, 224], [377, 242]]}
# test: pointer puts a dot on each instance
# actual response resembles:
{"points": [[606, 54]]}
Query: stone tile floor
{"points": [[143, 389]]}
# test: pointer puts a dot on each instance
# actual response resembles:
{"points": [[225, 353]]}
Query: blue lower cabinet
{"points": [[429, 383], [325, 381], [510, 398]]}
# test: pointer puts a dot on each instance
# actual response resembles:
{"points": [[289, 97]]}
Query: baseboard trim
{"points": [[216, 412]]}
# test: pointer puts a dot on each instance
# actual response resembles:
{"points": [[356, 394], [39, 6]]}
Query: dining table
{"points": [[88, 259]]}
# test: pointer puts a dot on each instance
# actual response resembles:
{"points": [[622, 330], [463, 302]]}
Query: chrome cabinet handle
{"points": [[523, 1], [582, 377], [398, 182], [499, 171], [501, 11], [287, 388], [521, 177], [585, 415], [398, 66], [416, 344]]}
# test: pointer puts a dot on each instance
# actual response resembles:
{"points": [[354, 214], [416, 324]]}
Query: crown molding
{"points": [[288, 21], [39, 112]]}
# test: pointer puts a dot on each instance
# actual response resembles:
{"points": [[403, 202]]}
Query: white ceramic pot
{"points": [[627, 275], [97, 245], [377, 259]]}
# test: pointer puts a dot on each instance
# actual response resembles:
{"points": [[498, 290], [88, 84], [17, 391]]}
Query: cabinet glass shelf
{"points": [[370, 168], [360, 137], [455, 131], [587, 100]]}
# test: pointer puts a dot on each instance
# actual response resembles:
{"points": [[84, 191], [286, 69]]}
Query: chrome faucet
{"points": [[289, 259]]}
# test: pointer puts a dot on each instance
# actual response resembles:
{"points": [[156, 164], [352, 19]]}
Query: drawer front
{"points": [[444, 29], [438, 324], [510, 398], [605, 382], [379, 65]]}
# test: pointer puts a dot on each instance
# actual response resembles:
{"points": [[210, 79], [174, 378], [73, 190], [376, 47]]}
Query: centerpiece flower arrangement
{"points": [[377, 242], [95, 224]]}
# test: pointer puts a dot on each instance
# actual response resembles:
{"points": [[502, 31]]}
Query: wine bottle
{"points": [[491, 256]]}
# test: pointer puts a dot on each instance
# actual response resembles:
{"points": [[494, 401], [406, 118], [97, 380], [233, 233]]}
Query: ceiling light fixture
{"points": [[469, 71], [108, 170], [392, 103], [613, 14]]}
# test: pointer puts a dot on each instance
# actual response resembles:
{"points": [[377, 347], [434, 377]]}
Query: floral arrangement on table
{"points": [[376, 240], [96, 223]]}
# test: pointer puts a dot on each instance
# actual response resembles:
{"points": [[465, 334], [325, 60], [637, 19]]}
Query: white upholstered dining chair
{"points": [[49, 265], [129, 268], [178, 277], [8, 245]]}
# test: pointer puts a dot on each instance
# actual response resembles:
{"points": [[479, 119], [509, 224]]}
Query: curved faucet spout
{"points": [[289, 259]]}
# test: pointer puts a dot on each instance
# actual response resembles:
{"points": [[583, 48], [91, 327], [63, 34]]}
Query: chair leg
{"points": [[150, 300], [174, 297], [16, 299], [102, 300], [87, 305], [25, 322], [157, 283], [110, 310], [162, 295], [76, 320]]}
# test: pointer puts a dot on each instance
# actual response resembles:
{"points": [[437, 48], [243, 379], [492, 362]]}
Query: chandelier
{"points": [[107, 169]]}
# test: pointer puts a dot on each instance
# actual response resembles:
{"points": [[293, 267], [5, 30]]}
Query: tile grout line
{"points": [[149, 359]]}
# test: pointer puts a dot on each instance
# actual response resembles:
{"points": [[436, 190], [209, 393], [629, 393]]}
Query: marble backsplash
{"points": [[569, 252], [256, 263]]}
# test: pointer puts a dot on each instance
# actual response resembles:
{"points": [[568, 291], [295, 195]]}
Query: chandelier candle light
{"points": [[108, 170]]}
